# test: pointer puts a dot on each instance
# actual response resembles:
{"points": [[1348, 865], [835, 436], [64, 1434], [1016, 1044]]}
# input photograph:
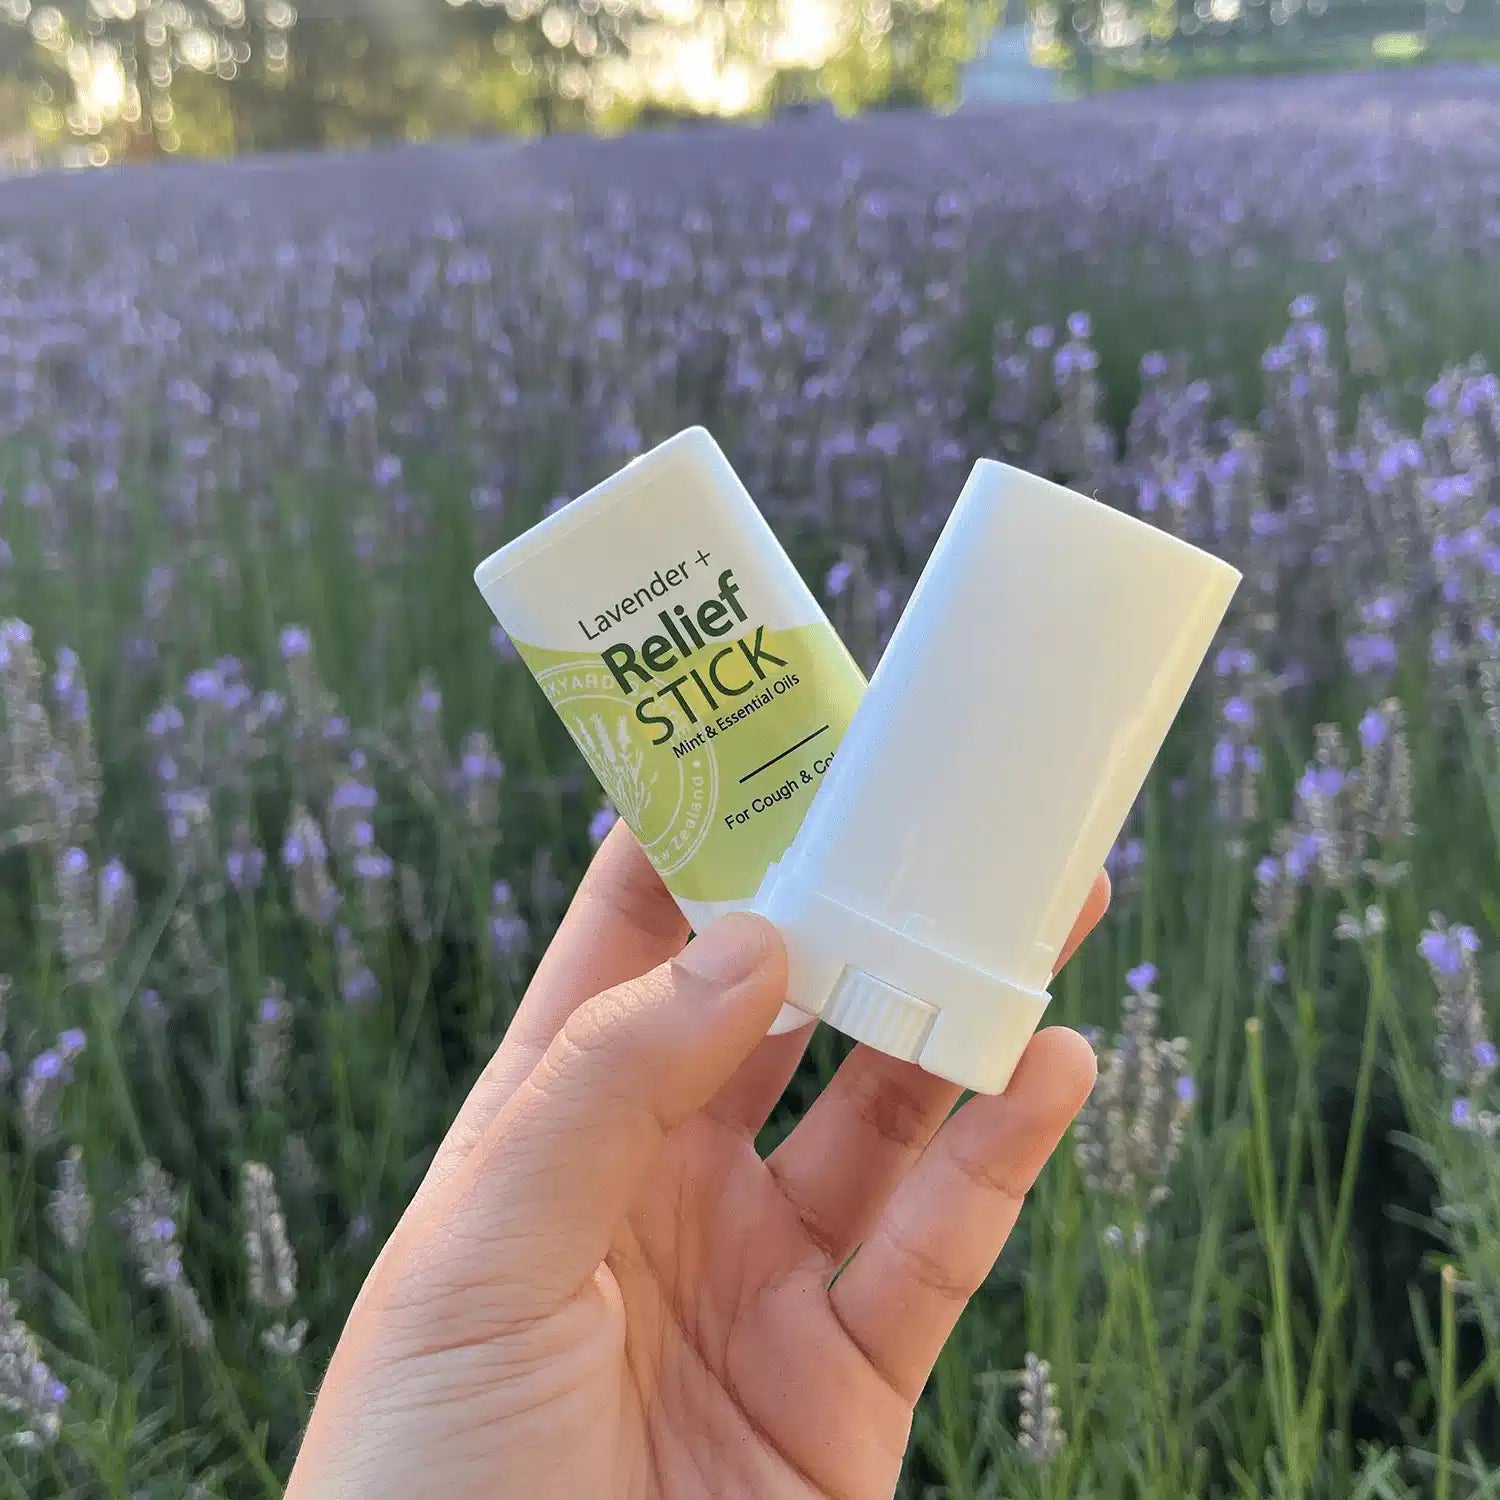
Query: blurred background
{"points": [[95, 81], [349, 294]]}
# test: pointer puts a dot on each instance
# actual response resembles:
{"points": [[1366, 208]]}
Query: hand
{"points": [[601, 1290]]}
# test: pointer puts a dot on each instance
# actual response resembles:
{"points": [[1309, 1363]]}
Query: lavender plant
{"points": [[284, 822]]}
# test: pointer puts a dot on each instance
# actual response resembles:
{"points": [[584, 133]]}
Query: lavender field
{"points": [[284, 824]]}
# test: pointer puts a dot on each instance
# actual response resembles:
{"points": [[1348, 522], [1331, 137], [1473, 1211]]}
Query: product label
{"points": [[689, 662], [710, 749]]}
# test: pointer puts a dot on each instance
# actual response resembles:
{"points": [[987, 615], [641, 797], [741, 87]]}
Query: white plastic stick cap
{"points": [[1005, 734]]}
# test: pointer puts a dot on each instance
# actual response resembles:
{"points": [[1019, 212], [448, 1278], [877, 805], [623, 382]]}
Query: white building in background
{"points": [[1002, 71]]}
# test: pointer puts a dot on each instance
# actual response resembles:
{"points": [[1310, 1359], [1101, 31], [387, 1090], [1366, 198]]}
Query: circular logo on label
{"points": [[667, 799]]}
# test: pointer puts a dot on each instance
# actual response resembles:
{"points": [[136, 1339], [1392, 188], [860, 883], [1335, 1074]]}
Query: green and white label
{"points": [[689, 661], [713, 759]]}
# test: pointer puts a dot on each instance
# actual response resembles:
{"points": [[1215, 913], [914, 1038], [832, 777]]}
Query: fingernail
{"points": [[730, 950]]}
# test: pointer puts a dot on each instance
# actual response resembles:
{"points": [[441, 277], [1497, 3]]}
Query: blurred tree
{"points": [[883, 52], [139, 77], [109, 66]]}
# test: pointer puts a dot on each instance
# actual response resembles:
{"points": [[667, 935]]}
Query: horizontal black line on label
{"points": [[800, 743]]}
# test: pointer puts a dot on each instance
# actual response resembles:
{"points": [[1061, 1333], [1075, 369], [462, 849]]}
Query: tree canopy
{"points": [[121, 78]]}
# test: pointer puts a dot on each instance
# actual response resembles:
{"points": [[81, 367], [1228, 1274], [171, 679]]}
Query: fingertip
{"points": [[734, 949], [735, 967], [1095, 904], [1060, 1062], [752, 928]]}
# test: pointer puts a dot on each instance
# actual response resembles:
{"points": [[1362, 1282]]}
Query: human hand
{"points": [[601, 1290]]}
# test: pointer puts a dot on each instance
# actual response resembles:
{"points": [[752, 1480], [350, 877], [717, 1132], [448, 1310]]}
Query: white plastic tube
{"points": [[689, 662], [1004, 736]]}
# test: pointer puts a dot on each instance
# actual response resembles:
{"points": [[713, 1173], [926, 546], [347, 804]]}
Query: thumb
{"points": [[543, 1194]]}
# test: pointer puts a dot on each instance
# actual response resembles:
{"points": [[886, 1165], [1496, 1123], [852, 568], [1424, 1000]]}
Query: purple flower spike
{"points": [[1141, 977], [295, 641], [1443, 951], [1222, 764], [1373, 729]]}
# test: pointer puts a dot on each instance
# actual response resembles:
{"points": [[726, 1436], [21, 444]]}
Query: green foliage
{"points": [[217, 77]]}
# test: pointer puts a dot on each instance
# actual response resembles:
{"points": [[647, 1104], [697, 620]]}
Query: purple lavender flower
{"points": [[509, 934], [1321, 781], [304, 853], [29, 1391], [357, 982], [270, 1048], [1446, 949], [1130, 1131], [1302, 858], [150, 1220], [1466, 1054], [206, 685], [1371, 654], [44, 1085], [373, 864], [604, 818], [245, 862], [1233, 661], [1373, 728]]}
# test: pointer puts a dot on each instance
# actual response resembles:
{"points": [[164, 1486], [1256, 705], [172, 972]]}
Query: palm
{"points": [[601, 1289], [731, 1360]]}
